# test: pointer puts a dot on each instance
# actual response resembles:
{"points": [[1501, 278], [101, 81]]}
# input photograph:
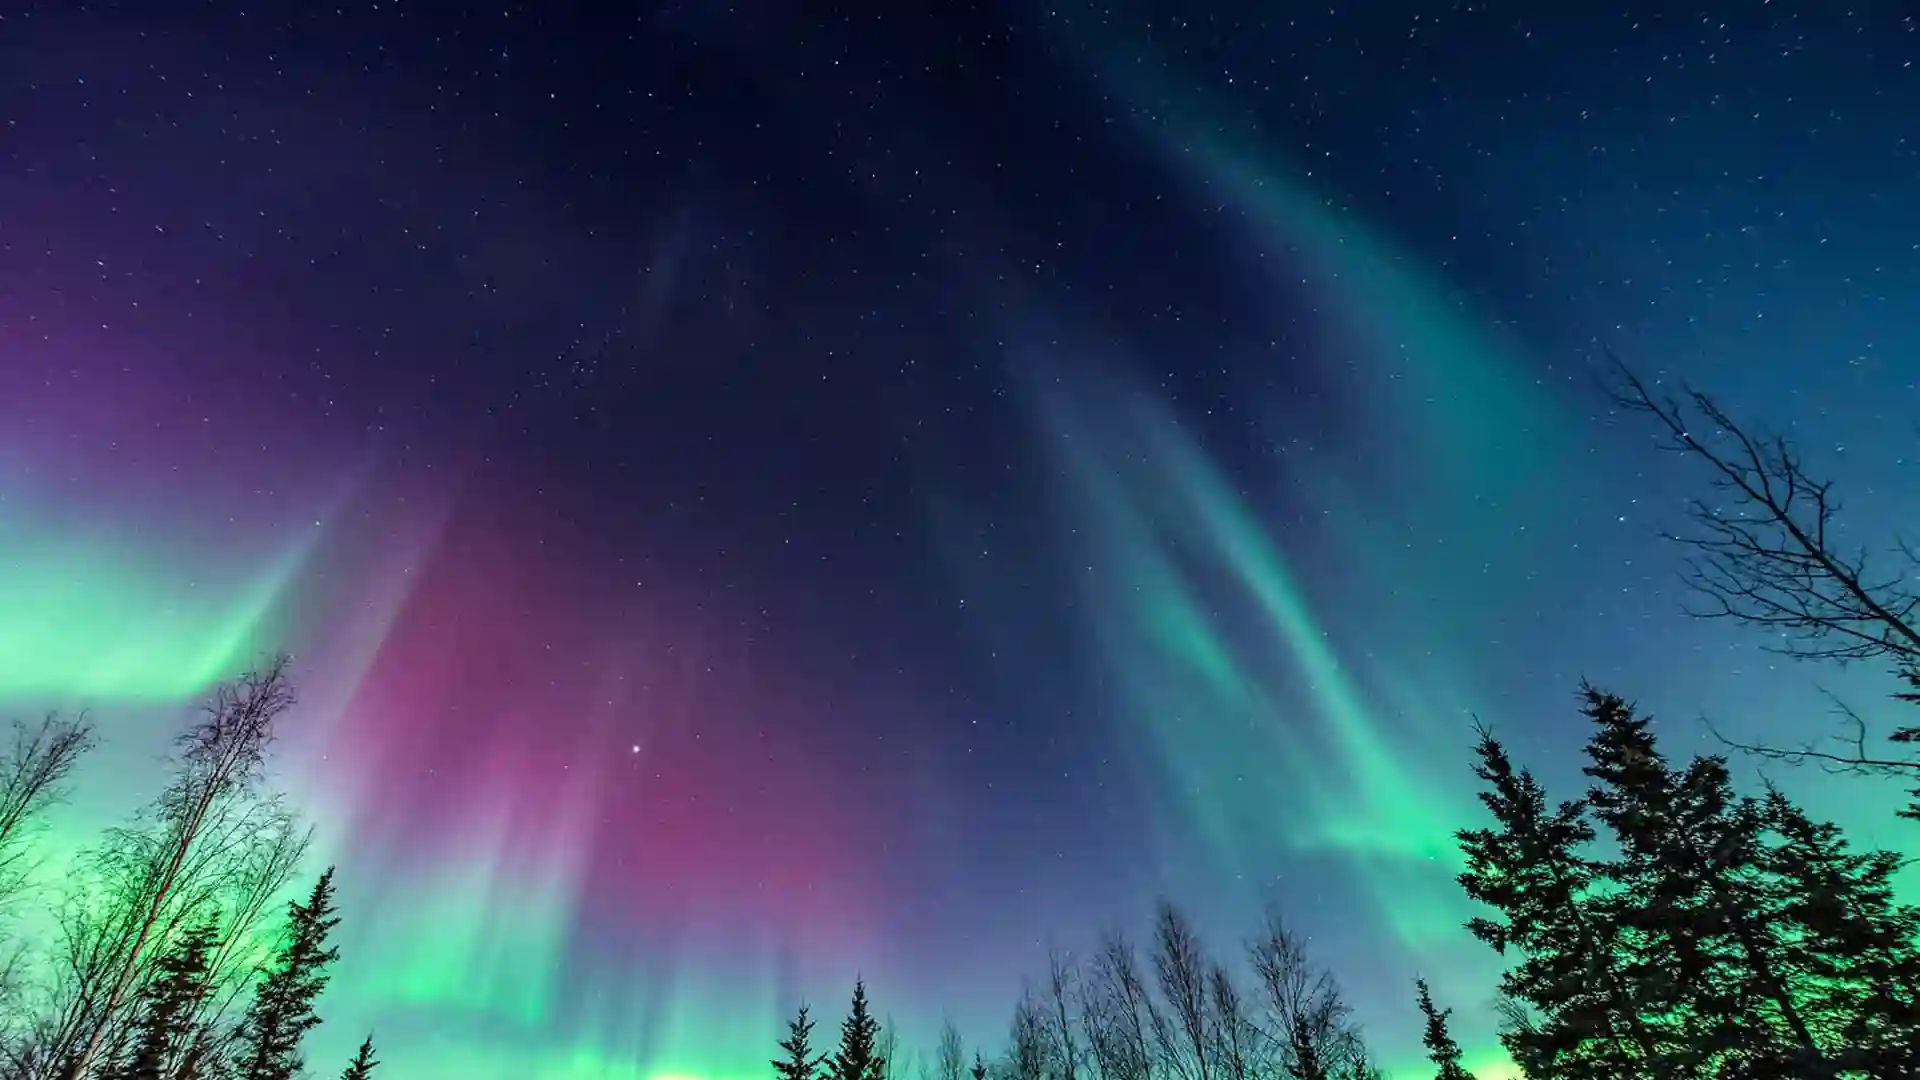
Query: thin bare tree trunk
{"points": [[1062, 988], [1181, 964]]}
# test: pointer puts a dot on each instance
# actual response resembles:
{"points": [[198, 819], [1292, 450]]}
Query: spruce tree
{"points": [[800, 1062], [282, 1010], [859, 1055], [1444, 1052], [979, 1070], [363, 1062], [165, 1030], [1690, 892], [1531, 868], [1856, 952]]}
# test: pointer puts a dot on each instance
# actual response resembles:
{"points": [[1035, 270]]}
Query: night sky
{"points": [[759, 494]]}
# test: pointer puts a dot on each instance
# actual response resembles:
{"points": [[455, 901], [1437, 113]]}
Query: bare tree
{"points": [[887, 1051], [1027, 1039], [33, 779], [1181, 965], [1236, 1042], [1764, 549], [93, 936], [1307, 1020], [168, 868], [1118, 1012], [950, 1060], [1355, 1061], [1062, 997]]}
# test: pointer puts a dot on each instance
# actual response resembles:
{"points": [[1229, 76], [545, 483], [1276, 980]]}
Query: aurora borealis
{"points": [[757, 498]]}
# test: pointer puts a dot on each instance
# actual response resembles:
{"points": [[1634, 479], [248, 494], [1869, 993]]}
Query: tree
{"points": [[156, 873], [363, 1062], [893, 1065], [1180, 965], [282, 1011], [33, 779], [1357, 1061], [1027, 1040], [950, 1059], [1308, 1020], [979, 1071], [1118, 1013], [1441, 1049], [1570, 1009], [1689, 891], [1765, 550], [262, 866], [859, 1055], [799, 1062], [1062, 991], [1856, 952], [1236, 1041], [165, 1031]]}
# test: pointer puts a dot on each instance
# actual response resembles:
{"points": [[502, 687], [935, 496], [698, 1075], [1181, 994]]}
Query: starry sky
{"points": [[762, 493]]}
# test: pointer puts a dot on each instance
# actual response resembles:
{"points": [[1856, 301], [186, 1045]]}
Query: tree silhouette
{"points": [[1571, 1012], [1853, 947], [201, 820], [1062, 992], [1690, 878], [1119, 1014], [1027, 1040], [950, 1059], [1308, 1020], [282, 1011], [165, 1032], [1180, 965], [363, 1063], [1441, 1049], [1765, 550], [33, 780], [858, 1057], [1237, 1045], [799, 1062]]}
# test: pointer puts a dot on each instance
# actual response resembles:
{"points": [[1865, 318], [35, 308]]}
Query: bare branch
{"points": [[1062, 994], [1181, 964], [1119, 1013], [1765, 552], [33, 780], [950, 1060], [1027, 1049], [1307, 1019], [1238, 1047]]}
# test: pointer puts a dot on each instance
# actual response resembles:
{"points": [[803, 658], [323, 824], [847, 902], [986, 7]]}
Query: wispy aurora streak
{"points": [[1267, 742], [1278, 714]]}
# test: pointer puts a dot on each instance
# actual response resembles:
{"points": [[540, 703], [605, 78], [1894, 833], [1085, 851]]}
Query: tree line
{"points": [[1658, 925], [168, 959]]}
